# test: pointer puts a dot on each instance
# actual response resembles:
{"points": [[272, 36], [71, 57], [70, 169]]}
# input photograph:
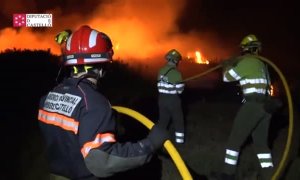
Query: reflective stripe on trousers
{"points": [[265, 160], [179, 137], [231, 157]]}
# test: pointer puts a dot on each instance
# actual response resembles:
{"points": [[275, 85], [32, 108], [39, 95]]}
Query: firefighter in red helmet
{"points": [[77, 121]]}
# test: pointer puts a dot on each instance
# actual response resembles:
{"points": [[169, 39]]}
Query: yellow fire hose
{"points": [[283, 160], [175, 155], [202, 74], [168, 145]]}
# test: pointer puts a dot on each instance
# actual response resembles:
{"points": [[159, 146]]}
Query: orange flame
{"points": [[117, 46], [272, 90], [200, 59], [197, 57]]}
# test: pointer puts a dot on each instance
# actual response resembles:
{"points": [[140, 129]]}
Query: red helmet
{"points": [[87, 46]]}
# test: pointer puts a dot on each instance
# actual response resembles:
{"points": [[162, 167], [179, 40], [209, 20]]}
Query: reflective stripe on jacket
{"points": [[251, 74], [79, 129], [169, 80]]}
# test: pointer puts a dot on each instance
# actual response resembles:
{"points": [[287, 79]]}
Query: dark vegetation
{"points": [[27, 75]]}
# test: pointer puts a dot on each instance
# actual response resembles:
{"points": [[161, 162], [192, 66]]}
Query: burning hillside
{"points": [[138, 29]]}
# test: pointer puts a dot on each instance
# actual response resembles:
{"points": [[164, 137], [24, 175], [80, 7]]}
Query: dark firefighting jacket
{"points": [[79, 129]]}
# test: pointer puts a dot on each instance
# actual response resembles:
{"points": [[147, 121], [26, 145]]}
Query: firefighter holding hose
{"points": [[77, 121], [253, 117]]}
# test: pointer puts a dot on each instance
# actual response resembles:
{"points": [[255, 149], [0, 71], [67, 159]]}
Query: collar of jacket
{"points": [[77, 81]]}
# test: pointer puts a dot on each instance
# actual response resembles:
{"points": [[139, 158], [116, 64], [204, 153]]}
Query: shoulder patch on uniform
{"points": [[61, 103]]}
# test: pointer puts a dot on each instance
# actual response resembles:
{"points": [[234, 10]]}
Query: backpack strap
{"points": [[161, 79]]}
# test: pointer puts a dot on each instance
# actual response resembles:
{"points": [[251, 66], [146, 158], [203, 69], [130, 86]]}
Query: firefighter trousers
{"points": [[170, 111], [251, 119]]}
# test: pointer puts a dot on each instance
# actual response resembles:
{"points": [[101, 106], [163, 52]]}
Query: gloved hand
{"points": [[158, 136]]}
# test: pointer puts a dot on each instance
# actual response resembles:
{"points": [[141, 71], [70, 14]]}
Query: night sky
{"points": [[274, 23]]}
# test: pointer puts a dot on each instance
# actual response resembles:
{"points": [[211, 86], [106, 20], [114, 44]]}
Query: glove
{"points": [[157, 136]]}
